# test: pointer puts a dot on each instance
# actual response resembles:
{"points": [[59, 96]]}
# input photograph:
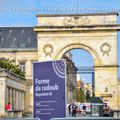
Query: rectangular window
{"points": [[22, 66]]}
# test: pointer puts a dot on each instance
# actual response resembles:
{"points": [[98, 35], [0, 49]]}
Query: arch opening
{"points": [[80, 75], [91, 51]]}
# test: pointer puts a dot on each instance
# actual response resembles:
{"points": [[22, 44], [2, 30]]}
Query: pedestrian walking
{"points": [[84, 110], [74, 110], [70, 109], [106, 110], [8, 107]]}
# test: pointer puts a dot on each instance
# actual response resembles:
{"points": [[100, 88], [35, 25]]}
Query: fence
{"points": [[19, 119], [86, 118]]}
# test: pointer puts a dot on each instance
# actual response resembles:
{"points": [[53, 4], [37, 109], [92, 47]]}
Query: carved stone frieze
{"points": [[81, 20]]}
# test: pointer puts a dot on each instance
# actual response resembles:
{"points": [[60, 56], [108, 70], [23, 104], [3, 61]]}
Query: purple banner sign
{"points": [[49, 89]]}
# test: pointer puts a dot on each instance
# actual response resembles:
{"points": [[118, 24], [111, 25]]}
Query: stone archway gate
{"points": [[95, 33]]}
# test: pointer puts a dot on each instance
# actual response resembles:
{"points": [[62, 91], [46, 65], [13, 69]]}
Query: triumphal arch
{"points": [[95, 33]]}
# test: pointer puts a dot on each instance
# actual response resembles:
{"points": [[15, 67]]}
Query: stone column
{"points": [[22, 100], [14, 100], [17, 99], [7, 95], [2, 96], [10, 96]]}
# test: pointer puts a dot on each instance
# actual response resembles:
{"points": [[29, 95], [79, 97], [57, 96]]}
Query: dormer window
{"points": [[22, 31], [28, 39]]}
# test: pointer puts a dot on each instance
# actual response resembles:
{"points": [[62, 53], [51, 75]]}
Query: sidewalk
{"points": [[80, 115]]}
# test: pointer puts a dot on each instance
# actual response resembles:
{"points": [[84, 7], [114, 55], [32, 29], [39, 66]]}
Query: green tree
{"points": [[80, 97], [10, 66], [87, 96]]}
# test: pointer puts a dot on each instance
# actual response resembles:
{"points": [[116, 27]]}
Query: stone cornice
{"points": [[18, 50], [77, 28], [107, 66], [82, 14], [6, 73], [106, 95]]}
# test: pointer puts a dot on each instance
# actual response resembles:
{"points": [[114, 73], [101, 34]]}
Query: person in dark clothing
{"points": [[70, 109], [106, 110], [74, 110], [84, 110]]}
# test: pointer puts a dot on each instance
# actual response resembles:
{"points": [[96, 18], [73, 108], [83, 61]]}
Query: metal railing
{"points": [[19, 119], [86, 118]]}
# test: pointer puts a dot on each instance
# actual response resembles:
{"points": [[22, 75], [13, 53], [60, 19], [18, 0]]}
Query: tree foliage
{"points": [[10, 66], [87, 96], [80, 97]]}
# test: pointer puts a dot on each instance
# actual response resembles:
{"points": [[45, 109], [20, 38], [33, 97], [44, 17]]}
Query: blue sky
{"points": [[83, 59], [23, 12], [12, 15]]}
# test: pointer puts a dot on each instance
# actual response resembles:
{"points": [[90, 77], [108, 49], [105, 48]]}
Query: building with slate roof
{"points": [[20, 44]]}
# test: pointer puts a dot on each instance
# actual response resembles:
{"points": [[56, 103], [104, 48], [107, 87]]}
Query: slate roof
{"points": [[15, 38]]}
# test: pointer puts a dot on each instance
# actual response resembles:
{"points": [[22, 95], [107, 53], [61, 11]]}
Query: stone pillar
{"points": [[10, 92], [14, 100], [17, 99], [22, 100], [28, 77], [2, 96], [7, 95], [106, 85], [8, 101]]}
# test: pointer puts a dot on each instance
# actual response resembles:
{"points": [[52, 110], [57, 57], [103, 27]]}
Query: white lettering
{"points": [[44, 81], [37, 88], [48, 87]]}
